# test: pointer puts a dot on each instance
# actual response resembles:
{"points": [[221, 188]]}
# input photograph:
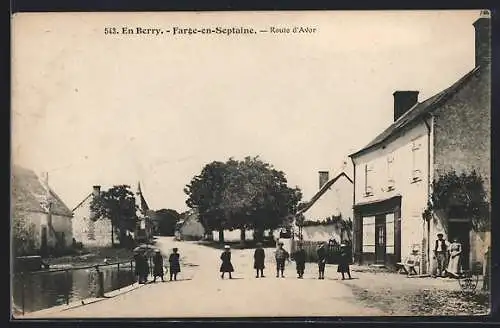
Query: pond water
{"points": [[41, 290]]}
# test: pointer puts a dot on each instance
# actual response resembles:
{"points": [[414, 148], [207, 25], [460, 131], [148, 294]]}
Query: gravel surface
{"points": [[398, 295]]}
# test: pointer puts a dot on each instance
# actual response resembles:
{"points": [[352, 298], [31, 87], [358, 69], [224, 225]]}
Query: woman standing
{"points": [[226, 265], [258, 260], [454, 263], [175, 266], [158, 266], [343, 266]]}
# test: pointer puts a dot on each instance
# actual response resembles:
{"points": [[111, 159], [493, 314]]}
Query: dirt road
{"points": [[200, 292]]}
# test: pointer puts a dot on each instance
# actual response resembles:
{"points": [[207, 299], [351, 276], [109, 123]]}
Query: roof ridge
{"points": [[81, 203], [322, 190], [428, 104]]}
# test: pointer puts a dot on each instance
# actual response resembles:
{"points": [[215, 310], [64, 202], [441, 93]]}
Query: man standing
{"points": [[281, 256], [321, 260], [440, 254]]}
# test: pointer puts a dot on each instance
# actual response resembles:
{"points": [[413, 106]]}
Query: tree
{"points": [[23, 232], [118, 205], [461, 195], [166, 221], [247, 194]]}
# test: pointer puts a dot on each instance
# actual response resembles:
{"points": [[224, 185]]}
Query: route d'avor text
{"points": [[213, 30]]}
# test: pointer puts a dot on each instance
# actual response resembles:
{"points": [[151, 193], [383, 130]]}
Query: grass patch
{"points": [[93, 256]]}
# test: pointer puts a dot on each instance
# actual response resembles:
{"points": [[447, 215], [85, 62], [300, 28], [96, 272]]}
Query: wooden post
{"points": [[100, 282], [68, 286], [486, 270], [118, 276], [22, 293]]}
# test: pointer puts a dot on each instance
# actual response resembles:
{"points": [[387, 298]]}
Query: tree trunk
{"points": [[112, 234], [221, 236], [242, 235]]}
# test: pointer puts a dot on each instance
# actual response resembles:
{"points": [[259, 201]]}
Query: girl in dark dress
{"points": [[158, 266], [343, 266], [175, 266], [226, 265], [139, 264], [258, 258]]}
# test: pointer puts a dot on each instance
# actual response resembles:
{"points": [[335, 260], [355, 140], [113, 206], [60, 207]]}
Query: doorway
{"points": [[380, 239], [461, 229], [43, 246]]}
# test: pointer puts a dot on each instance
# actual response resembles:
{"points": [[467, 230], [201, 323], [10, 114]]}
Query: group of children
{"points": [[281, 256], [142, 266]]}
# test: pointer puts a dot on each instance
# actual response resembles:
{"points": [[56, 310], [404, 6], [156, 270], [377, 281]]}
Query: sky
{"points": [[93, 109]]}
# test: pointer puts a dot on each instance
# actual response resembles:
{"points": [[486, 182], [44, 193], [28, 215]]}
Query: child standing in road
{"points": [[281, 256], [343, 266], [226, 265], [175, 266], [321, 260], [300, 260], [259, 257], [158, 266]]}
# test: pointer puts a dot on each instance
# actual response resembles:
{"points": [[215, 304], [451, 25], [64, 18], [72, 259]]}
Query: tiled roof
{"points": [[28, 192], [415, 113], [323, 189]]}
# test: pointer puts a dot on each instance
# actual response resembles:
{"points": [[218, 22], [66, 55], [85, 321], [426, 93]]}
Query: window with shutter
{"points": [[368, 180], [390, 172], [416, 150]]}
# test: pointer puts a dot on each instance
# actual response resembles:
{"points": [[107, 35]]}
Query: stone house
{"points": [[393, 174], [189, 228], [333, 200], [87, 230], [36, 207], [97, 233]]}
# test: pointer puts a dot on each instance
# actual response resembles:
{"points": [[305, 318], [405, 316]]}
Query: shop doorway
{"points": [[460, 228]]}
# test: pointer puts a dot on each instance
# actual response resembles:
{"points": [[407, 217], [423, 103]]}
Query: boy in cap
{"points": [[321, 251], [300, 260], [281, 256]]}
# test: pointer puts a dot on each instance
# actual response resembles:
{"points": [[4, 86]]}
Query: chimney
{"points": [[323, 178], [96, 191], [483, 38], [403, 101]]}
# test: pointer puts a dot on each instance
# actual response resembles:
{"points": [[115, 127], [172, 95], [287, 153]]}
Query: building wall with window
{"points": [[399, 168]]}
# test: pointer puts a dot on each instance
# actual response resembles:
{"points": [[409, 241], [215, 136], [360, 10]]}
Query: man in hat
{"points": [[281, 256], [321, 252], [300, 260], [441, 254], [226, 265]]}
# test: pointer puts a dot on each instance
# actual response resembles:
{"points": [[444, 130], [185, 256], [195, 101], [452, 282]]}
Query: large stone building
{"points": [[394, 173]]}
